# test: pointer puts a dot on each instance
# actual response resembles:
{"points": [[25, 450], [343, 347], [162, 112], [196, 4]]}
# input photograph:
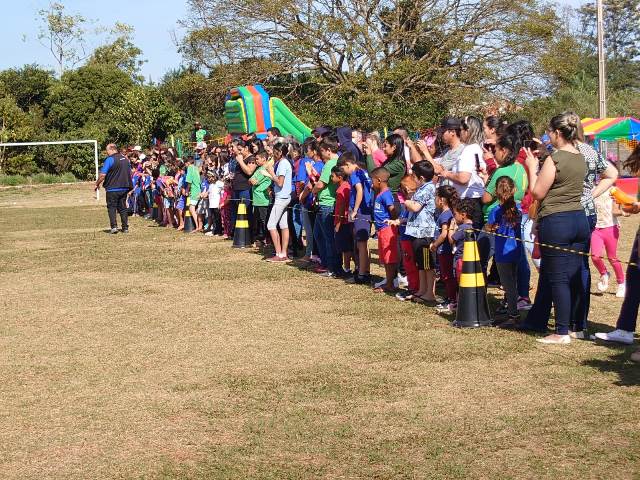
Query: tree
{"points": [[120, 53], [84, 96], [29, 85], [15, 126], [446, 50], [63, 35]]}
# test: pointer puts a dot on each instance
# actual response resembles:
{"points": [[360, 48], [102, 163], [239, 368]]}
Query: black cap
{"points": [[451, 123], [319, 131]]}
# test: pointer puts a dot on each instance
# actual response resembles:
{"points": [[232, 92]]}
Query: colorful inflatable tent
{"points": [[611, 129], [250, 109]]}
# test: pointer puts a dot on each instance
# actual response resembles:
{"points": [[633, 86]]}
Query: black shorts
{"points": [[344, 238], [425, 258]]}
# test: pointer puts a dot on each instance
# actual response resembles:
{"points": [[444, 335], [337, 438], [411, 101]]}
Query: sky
{"points": [[154, 21]]}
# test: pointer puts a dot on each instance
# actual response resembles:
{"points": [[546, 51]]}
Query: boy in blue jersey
{"points": [[383, 211], [360, 210]]}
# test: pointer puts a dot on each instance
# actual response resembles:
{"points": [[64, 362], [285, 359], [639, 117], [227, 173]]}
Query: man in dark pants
{"points": [[116, 177]]}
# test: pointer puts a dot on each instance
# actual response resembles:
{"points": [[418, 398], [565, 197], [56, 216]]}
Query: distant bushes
{"points": [[37, 179]]}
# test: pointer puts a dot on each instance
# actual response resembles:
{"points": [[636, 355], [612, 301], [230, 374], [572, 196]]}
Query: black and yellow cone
{"points": [[473, 308], [241, 233], [189, 224]]}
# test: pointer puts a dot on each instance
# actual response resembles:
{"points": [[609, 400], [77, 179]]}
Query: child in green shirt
{"points": [[260, 191]]}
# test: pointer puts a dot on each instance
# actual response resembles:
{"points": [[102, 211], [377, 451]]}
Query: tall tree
{"points": [[63, 34], [120, 52]]}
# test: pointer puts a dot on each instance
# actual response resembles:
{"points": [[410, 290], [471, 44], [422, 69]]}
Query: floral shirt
{"points": [[422, 224], [595, 166]]}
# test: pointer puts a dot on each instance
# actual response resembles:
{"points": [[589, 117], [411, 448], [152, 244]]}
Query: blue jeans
{"points": [[326, 239], [560, 281], [235, 201], [629, 311], [581, 308], [308, 230], [297, 221]]}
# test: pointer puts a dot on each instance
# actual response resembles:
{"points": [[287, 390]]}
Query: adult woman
{"points": [[490, 127], [393, 148], [562, 223], [465, 174], [282, 177], [245, 165], [626, 324]]}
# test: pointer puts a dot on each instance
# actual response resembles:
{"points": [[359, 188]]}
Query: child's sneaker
{"points": [[524, 304], [113, 231], [446, 307], [401, 281], [404, 296], [622, 290], [603, 283], [619, 336], [381, 283]]}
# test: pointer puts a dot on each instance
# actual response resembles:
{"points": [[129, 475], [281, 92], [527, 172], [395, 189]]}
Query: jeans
{"points": [[326, 240], [308, 230], [581, 308], [560, 281], [235, 201], [117, 201], [297, 219], [629, 311]]}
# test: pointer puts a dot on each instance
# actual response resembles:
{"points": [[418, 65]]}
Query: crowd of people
{"points": [[321, 201]]}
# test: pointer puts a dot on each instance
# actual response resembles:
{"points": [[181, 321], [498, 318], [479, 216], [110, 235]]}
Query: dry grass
{"points": [[159, 355]]}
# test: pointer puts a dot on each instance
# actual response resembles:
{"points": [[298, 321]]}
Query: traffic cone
{"points": [[189, 224], [241, 234], [473, 308]]}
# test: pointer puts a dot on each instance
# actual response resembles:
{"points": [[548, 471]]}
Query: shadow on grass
{"points": [[618, 363]]}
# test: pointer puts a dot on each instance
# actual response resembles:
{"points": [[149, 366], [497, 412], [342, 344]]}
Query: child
{"points": [[343, 228], [605, 237], [215, 190], [225, 208], [260, 184], [360, 210], [463, 212], [446, 196], [180, 197], [383, 211], [421, 225], [203, 203], [506, 220], [408, 187]]}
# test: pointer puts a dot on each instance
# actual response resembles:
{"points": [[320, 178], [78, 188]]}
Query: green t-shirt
{"points": [[200, 134], [162, 170], [515, 172], [259, 195], [193, 177], [327, 196]]}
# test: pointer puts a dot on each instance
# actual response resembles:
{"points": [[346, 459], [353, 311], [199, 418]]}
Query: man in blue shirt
{"points": [[115, 174]]}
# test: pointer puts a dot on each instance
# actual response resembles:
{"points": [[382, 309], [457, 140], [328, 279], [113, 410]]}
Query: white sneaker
{"points": [[620, 336], [208, 234], [622, 290], [555, 339], [603, 283], [401, 281], [381, 283]]}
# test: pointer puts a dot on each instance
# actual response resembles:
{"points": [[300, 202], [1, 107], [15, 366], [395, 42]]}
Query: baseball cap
{"points": [[451, 123], [320, 131]]}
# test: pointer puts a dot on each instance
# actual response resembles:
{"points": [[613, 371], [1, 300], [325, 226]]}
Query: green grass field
{"points": [[166, 355]]}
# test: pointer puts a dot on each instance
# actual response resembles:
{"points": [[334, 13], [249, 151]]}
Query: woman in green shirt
{"points": [[393, 147]]}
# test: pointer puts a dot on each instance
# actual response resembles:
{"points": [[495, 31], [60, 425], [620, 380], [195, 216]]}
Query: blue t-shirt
{"points": [[422, 224], [508, 250], [285, 170], [444, 219], [404, 215], [458, 238], [381, 209], [108, 165], [302, 176], [361, 177]]}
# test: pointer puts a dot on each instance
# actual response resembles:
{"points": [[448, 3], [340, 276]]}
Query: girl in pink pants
{"points": [[605, 237]]}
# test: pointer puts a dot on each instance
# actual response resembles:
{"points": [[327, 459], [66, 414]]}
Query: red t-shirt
{"points": [[341, 212], [527, 200]]}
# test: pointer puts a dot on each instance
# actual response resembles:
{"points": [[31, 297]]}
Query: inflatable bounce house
{"points": [[250, 109]]}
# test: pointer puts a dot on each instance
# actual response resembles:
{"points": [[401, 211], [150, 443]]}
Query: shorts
{"points": [[167, 202], [344, 238], [180, 203], [362, 228], [278, 217], [388, 250], [425, 260]]}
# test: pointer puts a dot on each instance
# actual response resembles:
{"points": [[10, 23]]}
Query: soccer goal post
{"points": [[65, 142]]}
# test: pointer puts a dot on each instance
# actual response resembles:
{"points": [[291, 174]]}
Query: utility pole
{"points": [[602, 63]]}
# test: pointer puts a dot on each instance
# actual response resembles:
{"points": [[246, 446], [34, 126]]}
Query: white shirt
{"points": [[215, 191], [467, 163]]}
